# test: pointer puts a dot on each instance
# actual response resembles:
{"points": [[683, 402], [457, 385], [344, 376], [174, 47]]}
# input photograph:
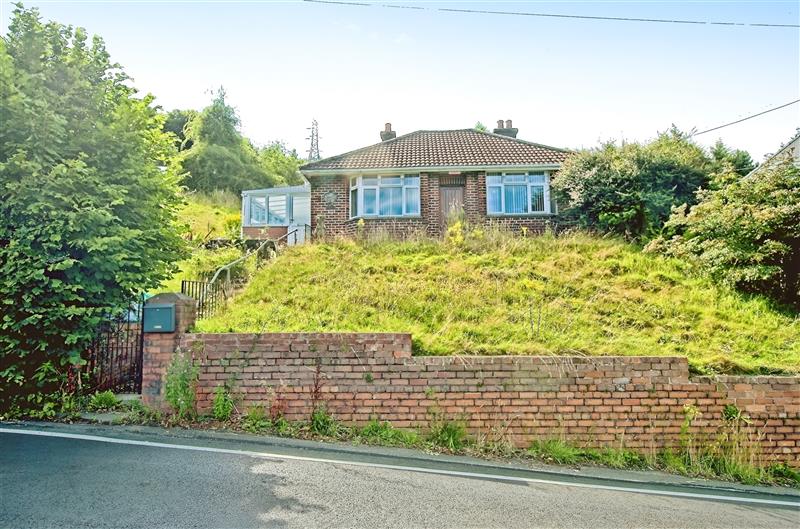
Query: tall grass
{"points": [[491, 293]]}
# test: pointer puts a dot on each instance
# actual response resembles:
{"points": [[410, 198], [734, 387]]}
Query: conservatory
{"points": [[277, 212]]}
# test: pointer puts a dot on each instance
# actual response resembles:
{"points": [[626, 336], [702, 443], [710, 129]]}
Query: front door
{"points": [[451, 201]]}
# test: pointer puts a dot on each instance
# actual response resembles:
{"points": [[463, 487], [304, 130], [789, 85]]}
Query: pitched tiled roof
{"points": [[443, 148]]}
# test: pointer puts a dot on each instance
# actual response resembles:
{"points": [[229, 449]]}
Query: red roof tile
{"points": [[443, 148]]}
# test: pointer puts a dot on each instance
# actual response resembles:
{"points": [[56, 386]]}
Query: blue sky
{"points": [[564, 82]]}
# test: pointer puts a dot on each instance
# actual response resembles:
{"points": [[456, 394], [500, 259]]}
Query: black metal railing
{"points": [[210, 297], [212, 294], [115, 354]]}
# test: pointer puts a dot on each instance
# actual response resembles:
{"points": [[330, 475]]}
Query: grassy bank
{"points": [[205, 216], [494, 294]]}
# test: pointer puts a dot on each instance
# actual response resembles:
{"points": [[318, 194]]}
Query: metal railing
{"points": [[213, 295], [115, 355], [209, 297]]}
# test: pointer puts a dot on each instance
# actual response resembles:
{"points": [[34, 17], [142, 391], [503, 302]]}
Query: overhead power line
{"points": [[554, 15], [748, 117]]}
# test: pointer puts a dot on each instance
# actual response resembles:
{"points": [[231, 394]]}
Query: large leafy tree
{"points": [[216, 155], [629, 189], [175, 123], [744, 231], [220, 157], [88, 197]]}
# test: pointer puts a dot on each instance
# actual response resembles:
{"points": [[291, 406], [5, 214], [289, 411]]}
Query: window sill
{"points": [[520, 215], [387, 217]]}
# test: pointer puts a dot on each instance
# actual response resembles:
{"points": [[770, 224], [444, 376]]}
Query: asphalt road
{"points": [[69, 482]]}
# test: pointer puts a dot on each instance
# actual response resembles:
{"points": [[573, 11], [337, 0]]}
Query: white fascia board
{"points": [[288, 190], [437, 169]]}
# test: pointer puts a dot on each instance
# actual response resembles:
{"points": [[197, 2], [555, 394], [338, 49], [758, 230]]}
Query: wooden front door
{"points": [[451, 201]]}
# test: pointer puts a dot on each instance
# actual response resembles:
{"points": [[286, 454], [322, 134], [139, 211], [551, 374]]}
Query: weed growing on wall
{"points": [[382, 433], [322, 422], [181, 384], [223, 403], [255, 420]]}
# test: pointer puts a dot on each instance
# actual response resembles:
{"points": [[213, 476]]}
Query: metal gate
{"points": [[115, 356]]}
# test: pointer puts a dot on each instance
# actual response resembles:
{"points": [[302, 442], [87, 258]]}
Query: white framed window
{"points": [[518, 193], [384, 196], [271, 210]]}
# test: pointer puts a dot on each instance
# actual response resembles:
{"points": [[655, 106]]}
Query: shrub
{"points": [[628, 189], [223, 404], [745, 233], [105, 400], [180, 385]]}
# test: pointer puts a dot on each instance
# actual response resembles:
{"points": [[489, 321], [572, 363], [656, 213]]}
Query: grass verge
{"points": [[716, 461]]}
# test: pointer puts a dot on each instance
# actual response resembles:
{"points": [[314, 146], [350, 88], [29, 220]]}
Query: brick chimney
{"points": [[387, 133], [506, 129]]}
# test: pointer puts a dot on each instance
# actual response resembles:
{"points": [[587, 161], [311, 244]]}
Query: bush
{"points": [[745, 233], [223, 404], [88, 200], [181, 384], [105, 400], [629, 189]]}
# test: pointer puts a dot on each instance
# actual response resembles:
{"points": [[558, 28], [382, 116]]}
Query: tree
{"points": [[175, 123], [281, 163], [629, 189], [220, 158], [88, 198], [740, 160], [480, 127], [744, 232]]}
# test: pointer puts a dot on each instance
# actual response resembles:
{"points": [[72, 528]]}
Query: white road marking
{"points": [[499, 477]]}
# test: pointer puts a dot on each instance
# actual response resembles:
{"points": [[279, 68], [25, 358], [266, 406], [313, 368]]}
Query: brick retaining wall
{"points": [[594, 401]]}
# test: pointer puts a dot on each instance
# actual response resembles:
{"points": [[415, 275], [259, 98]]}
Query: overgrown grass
{"points": [[209, 215], [495, 294], [206, 216]]}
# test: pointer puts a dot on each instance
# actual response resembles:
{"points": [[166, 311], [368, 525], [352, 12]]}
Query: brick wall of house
{"points": [[329, 206], [334, 213], [264, 232], [594, 401]]}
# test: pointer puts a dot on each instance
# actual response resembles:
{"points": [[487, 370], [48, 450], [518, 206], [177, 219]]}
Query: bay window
{"points": [[517, 193], [384, 196]]}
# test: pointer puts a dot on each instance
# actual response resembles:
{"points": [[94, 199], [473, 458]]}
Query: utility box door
{"points": [[159, 318]]}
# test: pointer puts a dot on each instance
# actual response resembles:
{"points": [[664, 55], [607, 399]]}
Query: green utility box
{"points": [[159, 318]]}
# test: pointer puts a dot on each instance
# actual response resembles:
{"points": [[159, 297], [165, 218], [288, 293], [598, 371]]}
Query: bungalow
{"points": [[414, 183]]}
